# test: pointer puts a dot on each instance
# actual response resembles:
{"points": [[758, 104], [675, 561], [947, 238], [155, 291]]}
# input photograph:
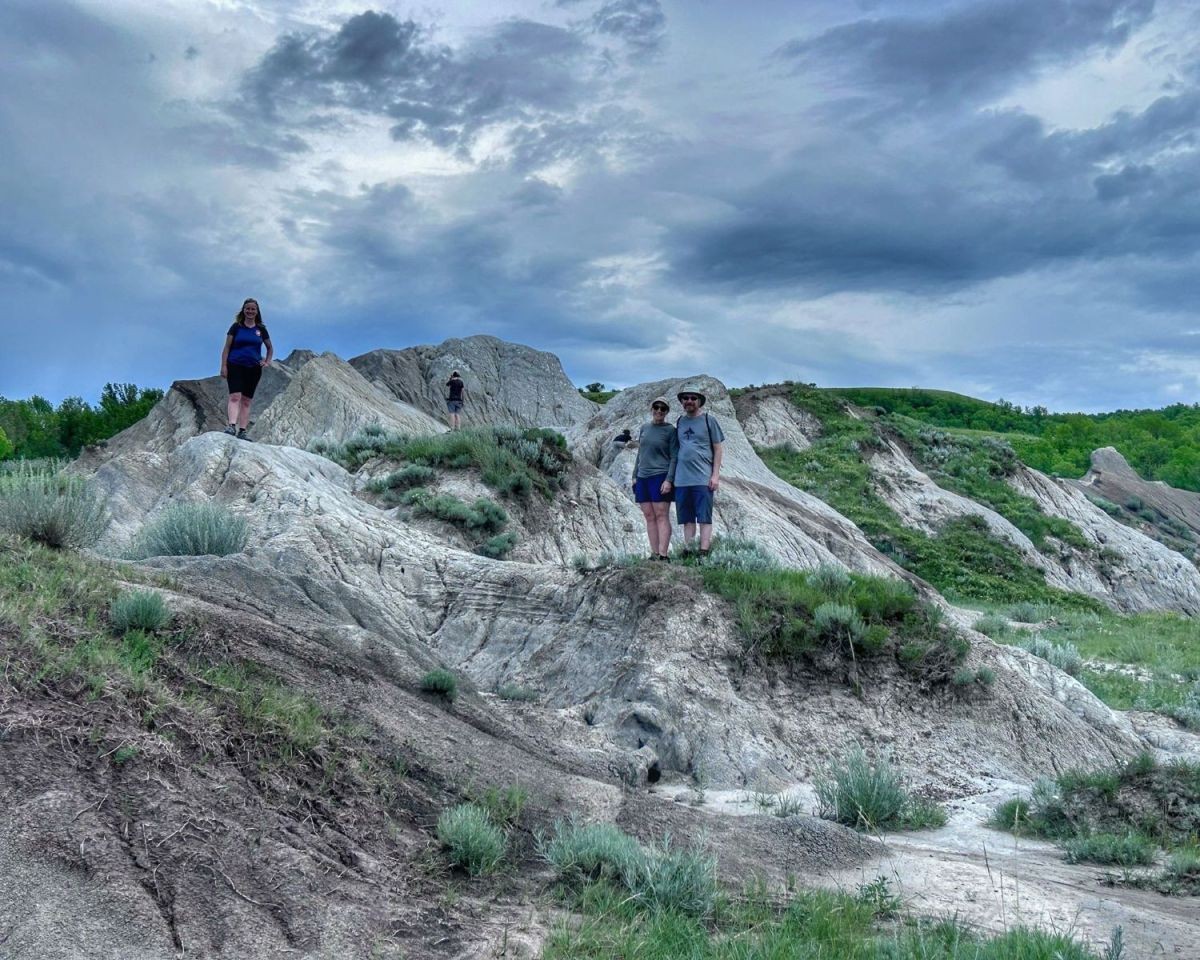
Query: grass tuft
{"points": [[474, 842], [39, 502], [191, 530], [139, 610], [870, 795], [441, 682]]}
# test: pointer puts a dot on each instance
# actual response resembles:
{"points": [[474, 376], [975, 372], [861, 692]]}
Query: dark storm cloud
{"points": [[969, 51], [989, 195], [374, 63], [640, 24]]}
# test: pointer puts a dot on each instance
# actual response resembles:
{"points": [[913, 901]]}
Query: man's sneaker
{"points": [[705, 551], [231, 430], [241, 435]]}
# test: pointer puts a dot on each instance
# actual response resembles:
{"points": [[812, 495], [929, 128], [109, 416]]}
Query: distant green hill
{"points": [[1160, 444]]}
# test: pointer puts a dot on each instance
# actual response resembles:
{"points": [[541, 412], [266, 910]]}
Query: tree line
{"points": [[35, 428], [1160, 444]]}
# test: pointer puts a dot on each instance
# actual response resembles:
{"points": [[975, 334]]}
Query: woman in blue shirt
{"points": [[242, 364]]}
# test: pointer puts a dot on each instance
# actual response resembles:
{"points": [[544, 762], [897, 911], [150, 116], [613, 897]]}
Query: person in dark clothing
{"points": [[456, 388], [654, 476], [242, 364]]}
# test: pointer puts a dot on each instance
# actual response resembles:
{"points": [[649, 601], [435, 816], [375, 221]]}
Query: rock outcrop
{"points": [[507, 383], [329, 400], [770, 419], [655, 662], [753, 503], [1139, 572], [1161, 511]]}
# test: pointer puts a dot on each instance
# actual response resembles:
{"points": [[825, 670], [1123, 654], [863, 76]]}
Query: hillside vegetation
{"points": [[36, 428], [1160, 444]]}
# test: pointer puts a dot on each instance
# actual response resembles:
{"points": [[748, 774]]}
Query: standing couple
{"points": [[681, 459]]}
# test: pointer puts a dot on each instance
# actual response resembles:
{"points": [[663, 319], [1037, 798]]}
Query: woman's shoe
{"points": [[241, 435], [231, 430]]}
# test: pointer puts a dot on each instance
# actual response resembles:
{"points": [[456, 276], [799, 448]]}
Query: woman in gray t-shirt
{"points": [[654, 476]]}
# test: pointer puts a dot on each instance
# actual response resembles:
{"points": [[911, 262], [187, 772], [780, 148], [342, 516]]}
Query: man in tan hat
{"points": [[654, 476], [698, 471]]}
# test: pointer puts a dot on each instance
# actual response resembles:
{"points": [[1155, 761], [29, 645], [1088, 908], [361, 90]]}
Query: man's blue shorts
{"points": [[649, 489], [693, 505]]}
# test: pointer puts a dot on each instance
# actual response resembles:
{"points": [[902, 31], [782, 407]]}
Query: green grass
{"points": [[1123, 850], [511, 461], [41, 503], [442, 683], [294, 721], [474, 843], [1161, 646], [964, 561], [812, 925], [1118, 815], [191, 530], [870, 795], [790, 613], [139, 610]]}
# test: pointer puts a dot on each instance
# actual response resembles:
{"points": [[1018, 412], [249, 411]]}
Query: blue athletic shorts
{"points": [[454, 406], [648, 489], [693, 505]]}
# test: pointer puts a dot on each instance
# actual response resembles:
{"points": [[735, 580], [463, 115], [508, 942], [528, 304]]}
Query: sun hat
{"points": [[663, 400], [691, 388]]}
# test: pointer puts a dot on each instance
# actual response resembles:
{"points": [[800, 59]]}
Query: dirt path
{"points": [[999, 881]]}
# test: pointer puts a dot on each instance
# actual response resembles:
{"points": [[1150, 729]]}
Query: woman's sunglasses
{"points": [[659, 406]]}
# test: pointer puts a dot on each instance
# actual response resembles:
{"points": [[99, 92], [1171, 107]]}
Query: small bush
{"points": [[192, 530], [475, 843], [140, 610], [839, 623], [1011, 815], [40, 503], [512, 691], [1065, 656], [881, 599], [581, 853], [443, 683], [730, 554], [869, 796], [1127, 850], [681, 881], [993, 625], [504, 807], [407, 477], [497, 547], [487, 516], [1025, 612], [833, 582]]}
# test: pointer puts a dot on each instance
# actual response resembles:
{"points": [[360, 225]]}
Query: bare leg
{"points": [[651, 526], [705, 536], [235, 403], [456, 421], [244, 413], [689, 533], [662, 519]]}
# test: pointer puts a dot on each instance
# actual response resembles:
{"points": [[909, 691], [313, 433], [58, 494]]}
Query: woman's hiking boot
{"points": [[231, 430], [241, 435]]}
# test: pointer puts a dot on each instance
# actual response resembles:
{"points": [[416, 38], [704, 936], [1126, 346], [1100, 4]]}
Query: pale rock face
{"points": [[1142, 574], [1113, 478], [753, 503], [656, 664], [329, 400], [506, 383], [772, 420]]}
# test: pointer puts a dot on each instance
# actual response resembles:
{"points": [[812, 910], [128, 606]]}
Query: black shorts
{"points": [[243, 380]]}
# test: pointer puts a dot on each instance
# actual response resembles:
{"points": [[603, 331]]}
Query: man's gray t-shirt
{"points": [[696, 438], [658, 446]]}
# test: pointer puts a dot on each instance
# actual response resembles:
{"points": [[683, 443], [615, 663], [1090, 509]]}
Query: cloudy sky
{"points": [[1000, 197]]}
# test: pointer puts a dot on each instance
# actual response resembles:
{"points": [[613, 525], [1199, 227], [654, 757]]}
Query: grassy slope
{"points": [[972, 567]]}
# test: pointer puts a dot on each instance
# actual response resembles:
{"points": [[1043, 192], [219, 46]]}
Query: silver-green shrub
{"points": [[744, 555], [833, 581], [191, 530], [475, 843], [139, 610], [674, 880], [839, 621], [41, 503], [583, 852], [1065, 656]]}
